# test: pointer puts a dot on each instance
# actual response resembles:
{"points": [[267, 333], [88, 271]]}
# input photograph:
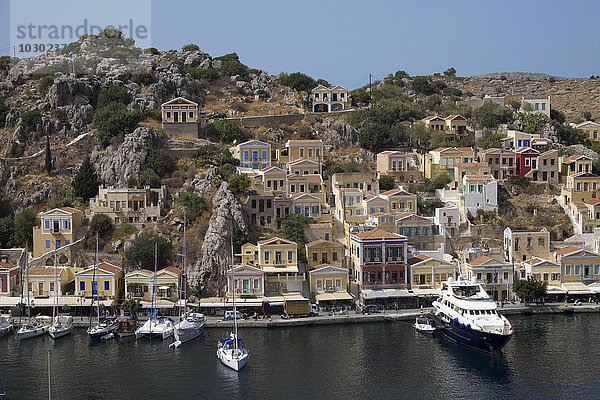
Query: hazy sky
{"points": [[344, 41]]}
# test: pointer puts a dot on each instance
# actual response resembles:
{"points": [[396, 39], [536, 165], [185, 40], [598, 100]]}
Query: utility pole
{"points": [[370, 89]]}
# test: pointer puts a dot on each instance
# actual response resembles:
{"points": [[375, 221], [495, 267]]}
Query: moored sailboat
{"points": [[62, 325], [6, 324], [105, 325], [155, 325], [36, 326], [191, 324]]}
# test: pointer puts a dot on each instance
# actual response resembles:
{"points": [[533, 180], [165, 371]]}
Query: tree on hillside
{"points": [[450, 72], [7, 232], [24, 224], [386, 183], [48, 156], [30, 120], [115, 119], [530, 290], [141, 252], [490, 140], [102, 225], [294, 229], [490, 115], [298, 81], [190, 47], [113, 94], [85, 182], [586, 116], [225, 131], [534, 123], [160, 161], [193, 204]]}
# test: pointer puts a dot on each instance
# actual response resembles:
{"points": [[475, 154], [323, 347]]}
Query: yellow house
{"points": [[349, 206], [401, 166], [330, 284], [580, 188], [543, 270], [435, 123], [182, 116], [58, 227], [573, 165], [471, 168], [249, 254], [41, 282], [138, 284], [444, 159], [592, 130], [304, 167], [422, 233], [278, 255], [400, 200], [107, 276], [428, 273], [304, 149], [309, 205], [324, 252], [274, 179], [577, 266], [456, 124]]}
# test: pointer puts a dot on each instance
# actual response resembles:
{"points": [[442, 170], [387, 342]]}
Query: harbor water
{"points": [[550, 356]]}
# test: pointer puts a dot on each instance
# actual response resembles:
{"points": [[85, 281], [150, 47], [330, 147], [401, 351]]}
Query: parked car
{"points": [[314, 310], [370, 309], [230, 315]]}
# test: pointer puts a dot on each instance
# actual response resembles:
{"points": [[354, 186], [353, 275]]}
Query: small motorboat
{"points": [[6, 324], [189, 328], [424, 325], [126, 328]]}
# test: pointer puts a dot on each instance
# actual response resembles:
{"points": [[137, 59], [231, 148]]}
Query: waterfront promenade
{"points": [[324, 318]]}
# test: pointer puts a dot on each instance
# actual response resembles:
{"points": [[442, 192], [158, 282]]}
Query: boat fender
{"points": [[468, 327], [462, 326]]}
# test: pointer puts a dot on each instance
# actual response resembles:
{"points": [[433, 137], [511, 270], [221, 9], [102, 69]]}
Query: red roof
{"points": [[455, 116], [378, 234], [480, 261], [173, 269], [6, 266], [567, 250], [108, 267]]}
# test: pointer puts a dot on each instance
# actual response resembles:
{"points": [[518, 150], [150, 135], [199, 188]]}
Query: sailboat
{"points": [[191, 324], [106, 325], [62, 325], [155, 325], [231, 350], [34, 327]]}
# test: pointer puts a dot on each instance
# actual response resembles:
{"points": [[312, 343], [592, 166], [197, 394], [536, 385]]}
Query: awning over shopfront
{"points": [[70, 301], [594, 287], [334, 296], [163, 304], [576, 288], [426, 291], [550, 290], [369, 294], [245, 302]]}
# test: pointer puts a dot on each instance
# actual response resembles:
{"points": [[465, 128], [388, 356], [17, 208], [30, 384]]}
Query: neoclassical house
{"points": [[327, 99], [181, 116]]}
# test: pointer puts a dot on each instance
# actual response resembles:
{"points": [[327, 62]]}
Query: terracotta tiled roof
{"points": [[274, 240], [378, 234], [593, 202], [43, 271], [432, 117], [480, 261], [567, 250], [464, 148], [108, 267], [454, 116], [6, 266], [173, 269]]}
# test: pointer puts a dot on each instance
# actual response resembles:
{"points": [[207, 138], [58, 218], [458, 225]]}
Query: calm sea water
{"points": [[550, 356]]}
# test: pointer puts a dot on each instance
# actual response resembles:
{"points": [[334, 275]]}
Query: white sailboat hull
{"points": [[185, 335], [230, 359], [156, 328], [96, 332], [57, 332], [31, 332]]}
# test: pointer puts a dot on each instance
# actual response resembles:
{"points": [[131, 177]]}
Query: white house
{"points": [[536, 106]]}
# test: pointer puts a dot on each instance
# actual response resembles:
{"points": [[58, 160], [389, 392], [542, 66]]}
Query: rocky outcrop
{"points": [[118, 164], [336, 133], [215, 255], [204, 182], [581, 149]]}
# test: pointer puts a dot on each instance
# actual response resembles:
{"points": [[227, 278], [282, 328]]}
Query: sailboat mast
{"points": [[55, 308], [235, 328], [28, 300], [183, 266], [96, 280], [153, 288], [21, 280]]}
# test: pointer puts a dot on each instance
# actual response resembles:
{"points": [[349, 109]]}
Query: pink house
{"points": [[9, 278], [248, 282]]}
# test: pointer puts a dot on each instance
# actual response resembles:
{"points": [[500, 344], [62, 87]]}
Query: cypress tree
{"points": [[85, 183], [48, 159]]}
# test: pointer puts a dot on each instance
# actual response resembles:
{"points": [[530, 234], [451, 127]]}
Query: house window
{"points": [[540, 241], [255, 284], [82, 285], [168, 114], [319, 285], [67, 242], [46, 224], [106, 285], [58, 244], [334, 256], [577, 269], [66, 224], [314, 257], [267, 256], [567, 270], [47, 244]]}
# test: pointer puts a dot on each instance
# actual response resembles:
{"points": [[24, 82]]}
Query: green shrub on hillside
{"points": [[113, 94], [298, 81], [115, 119], [30, 120]]}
